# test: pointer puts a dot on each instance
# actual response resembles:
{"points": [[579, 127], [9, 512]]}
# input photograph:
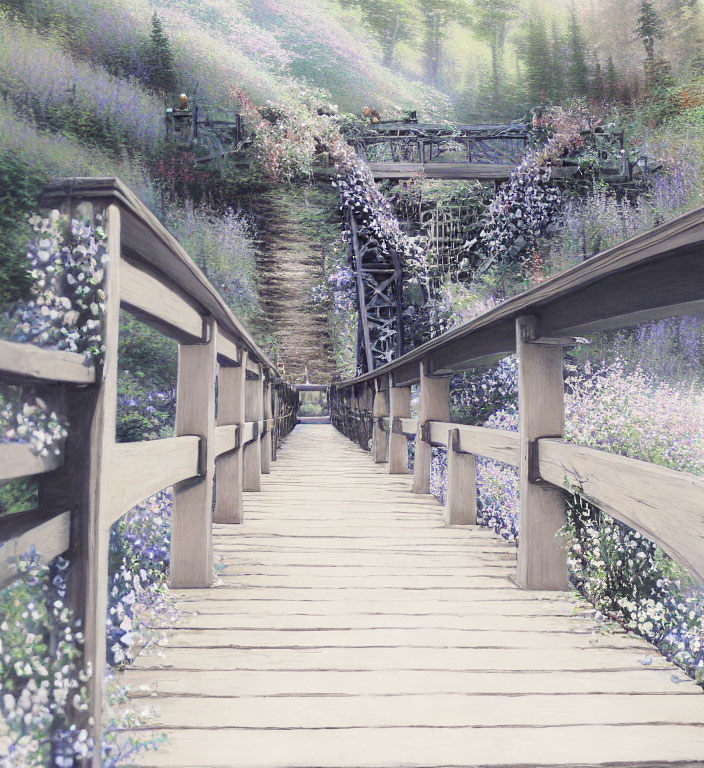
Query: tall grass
{"points": [[74, 97]]}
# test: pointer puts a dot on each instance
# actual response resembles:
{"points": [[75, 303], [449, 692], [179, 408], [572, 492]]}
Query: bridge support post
{"points": [[266, 436], [228, 495], [399, 408], [434, 406], [381, 439], [252, 456], [461, 499], [542, 557], [192, 530], [276, 410]]}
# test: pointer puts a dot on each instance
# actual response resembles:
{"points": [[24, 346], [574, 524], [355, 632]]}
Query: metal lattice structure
{"points": [[379, 284]]}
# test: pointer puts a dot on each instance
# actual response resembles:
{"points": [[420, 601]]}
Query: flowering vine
{"points": [[67, 264], [35, 424]]}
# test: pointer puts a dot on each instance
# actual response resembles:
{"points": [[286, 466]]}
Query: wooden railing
{"points": [[96, 480], [655, 275]]}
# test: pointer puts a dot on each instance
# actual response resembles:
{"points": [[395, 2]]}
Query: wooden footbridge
{"points": [[353, 622]]}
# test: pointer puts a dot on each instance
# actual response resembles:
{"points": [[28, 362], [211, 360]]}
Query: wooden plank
{"points": [[399, 408], [48, 536], [664, 505], [248, 431], [225, 439], [542, 556], [461, 501], [448, 171], [252, 458], [265, 442], [25, 362], [19, 460], [139, 470], [229, 507], [434, 406], [228, 351], [380, 439], [191, 520], [159, 304], [496, 444]]}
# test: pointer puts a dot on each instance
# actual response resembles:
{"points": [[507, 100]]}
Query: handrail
{"points": [[654, 275], [95, 480]]}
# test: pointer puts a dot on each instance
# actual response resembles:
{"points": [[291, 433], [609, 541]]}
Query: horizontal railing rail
{"points": [[233, 408], [655, 275]]}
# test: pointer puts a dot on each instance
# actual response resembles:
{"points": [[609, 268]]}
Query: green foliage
{"points": [[577, 69], [160, 59], [391, 21], [20, 184]]}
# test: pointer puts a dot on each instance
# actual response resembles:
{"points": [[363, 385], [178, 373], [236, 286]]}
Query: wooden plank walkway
{"points": [[351, 629]]}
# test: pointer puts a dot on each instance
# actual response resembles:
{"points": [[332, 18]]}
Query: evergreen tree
{"points": [[598, 86], [492, 18], [437, 14], [611, 84], [391, 21], [649, 30], [557, 64], [577, 69], [536, 56], [160, 59]]}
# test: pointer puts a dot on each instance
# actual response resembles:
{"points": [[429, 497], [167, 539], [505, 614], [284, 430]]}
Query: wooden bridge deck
{"points": [[351, 628]]}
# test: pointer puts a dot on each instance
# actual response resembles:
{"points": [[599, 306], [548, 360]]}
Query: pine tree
{"points": [[536, 55], [391, 21], [598, 85], [577, 69], [649, 30], [492, 18], [437, 14], [160, 59], [611, 85], [557, 64]]}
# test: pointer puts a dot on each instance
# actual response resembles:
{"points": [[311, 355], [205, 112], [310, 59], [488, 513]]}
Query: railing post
{"points": [[191, 525], [381, 439], [228, 499], [434, 406], [276, 410], [252, 451], [83, 487], [266, 432], [461, 499], [542, 559], [399, 408]]}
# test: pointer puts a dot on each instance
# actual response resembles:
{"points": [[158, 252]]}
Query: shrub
{"points": [[20, 184]]}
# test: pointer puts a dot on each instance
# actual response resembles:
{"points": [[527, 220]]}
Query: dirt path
{"points": [[290, 264]]}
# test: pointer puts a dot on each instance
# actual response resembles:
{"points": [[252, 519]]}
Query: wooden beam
{"points": [[434, 406], [461, 500], [542, 556], [19, 460], [254, 407], [159, 304], [48, 535], [399, 408], [666, 506], [27, 363], [192, 531], [266, 433], [447, 171], [139, 470], [228, 351], [227, 439], [380, 438], [497, 444], [229, 506]]}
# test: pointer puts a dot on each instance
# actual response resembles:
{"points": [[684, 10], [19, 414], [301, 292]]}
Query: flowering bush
{"points": [[67, 264], [140, 605], [34, 424], [529, 202], [43, 683]]}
